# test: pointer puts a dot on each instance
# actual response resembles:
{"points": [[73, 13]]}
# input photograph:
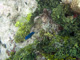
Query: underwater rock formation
{"points": [[44, 22], [66, 1], [41, 22], [74, 4], [10, 12]]}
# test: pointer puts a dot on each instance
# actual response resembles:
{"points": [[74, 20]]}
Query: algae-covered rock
{"points": [[74, 4], [44, 22]]}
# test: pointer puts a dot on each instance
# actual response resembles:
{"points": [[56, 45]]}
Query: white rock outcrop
{"points": [[10, 11]]}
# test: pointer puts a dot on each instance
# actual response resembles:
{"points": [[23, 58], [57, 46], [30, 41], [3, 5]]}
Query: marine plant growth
{"points": [[24, 28], [63, 46]]}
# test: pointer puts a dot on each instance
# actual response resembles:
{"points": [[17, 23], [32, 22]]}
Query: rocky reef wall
{"points": [[10, 12]]}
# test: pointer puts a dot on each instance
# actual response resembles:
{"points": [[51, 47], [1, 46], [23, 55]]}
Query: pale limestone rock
{"points": [[74, 5], [10, 12], [66, 1]]}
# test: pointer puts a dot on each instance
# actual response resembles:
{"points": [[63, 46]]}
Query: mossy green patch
{"points": [[24, 25]]}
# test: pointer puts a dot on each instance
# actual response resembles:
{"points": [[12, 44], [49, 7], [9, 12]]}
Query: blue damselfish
{"points": [[29, 35]]}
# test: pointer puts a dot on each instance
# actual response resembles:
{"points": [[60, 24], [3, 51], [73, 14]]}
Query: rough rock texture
{"points": [[43, 22], [66, 1], [10, 12], [74, 5]]}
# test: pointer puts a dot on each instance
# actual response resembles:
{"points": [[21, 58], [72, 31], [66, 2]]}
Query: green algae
{"points": [[24, 28]]}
